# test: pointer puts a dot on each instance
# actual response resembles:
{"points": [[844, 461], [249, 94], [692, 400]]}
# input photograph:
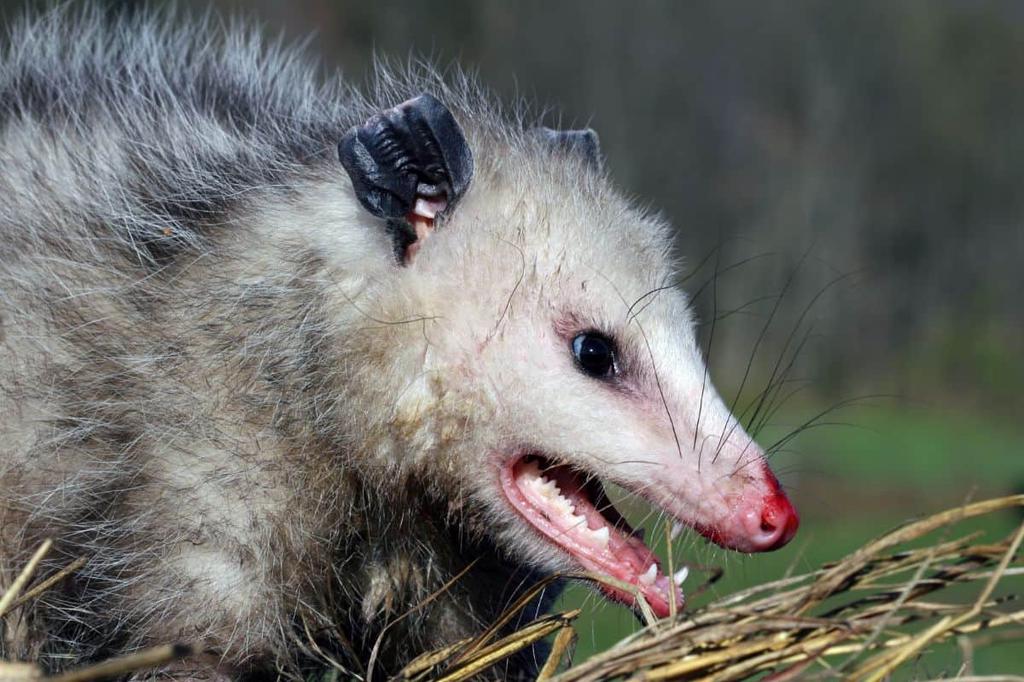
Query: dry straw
{"points": [[860, 618]]}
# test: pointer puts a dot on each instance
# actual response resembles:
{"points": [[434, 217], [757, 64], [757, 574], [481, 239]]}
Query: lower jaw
{"points": [[561, 508]]}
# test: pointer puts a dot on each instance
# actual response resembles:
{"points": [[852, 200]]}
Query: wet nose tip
{"points": [[779, 522]]}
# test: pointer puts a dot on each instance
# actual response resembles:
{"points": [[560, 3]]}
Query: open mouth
{"points": [[575, 514]]}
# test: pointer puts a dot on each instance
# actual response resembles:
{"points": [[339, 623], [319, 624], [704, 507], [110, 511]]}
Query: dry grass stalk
{"points": [[859, 618], [44, 585], [115, 667], [10, 671], [11, 593], [27, 672], [564, 640]]}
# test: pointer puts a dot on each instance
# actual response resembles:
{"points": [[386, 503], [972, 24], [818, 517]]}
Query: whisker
{"points": [[789, 340], [707, 361], [813, 421], [726, 433]]}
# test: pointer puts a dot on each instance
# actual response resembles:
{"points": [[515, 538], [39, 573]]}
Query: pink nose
{"points": [[778, 523]]}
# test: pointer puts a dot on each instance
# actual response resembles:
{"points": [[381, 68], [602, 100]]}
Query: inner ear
{"points": [[408, 165]]}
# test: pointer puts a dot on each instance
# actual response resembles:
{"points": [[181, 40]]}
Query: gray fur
{"points": [[218, 386], [141, 319]]}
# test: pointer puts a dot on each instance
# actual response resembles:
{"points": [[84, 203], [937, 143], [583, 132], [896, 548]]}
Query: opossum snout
{"points": [[779, 520], [759, 523], [769, 525]]}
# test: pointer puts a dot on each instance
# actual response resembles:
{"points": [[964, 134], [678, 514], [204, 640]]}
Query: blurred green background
{"points": [[847, 180]]}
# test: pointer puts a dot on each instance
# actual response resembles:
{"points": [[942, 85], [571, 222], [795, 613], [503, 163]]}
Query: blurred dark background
{"points": [[847, 180]]}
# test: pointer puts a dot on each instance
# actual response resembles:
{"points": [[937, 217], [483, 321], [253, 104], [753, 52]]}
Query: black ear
{"points": [[582, 142], [415, 150]]}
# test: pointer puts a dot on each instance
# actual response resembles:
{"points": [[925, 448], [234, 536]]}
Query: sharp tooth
{"points": [[564, 508], [426, 208], [601, 536], [679, 576], [677, 528], [648, 577]]}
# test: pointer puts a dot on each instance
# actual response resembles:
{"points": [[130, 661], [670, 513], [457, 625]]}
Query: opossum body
{"points": [[282, 360]]}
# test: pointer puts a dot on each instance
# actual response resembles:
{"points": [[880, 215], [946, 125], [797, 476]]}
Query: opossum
{"points": [[304, 372]]}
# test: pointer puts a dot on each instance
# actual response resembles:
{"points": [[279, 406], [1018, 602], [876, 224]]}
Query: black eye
{"points": [[595, 354]]}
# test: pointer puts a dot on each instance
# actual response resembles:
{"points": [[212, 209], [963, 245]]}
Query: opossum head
{"points": [[544, 351]]}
